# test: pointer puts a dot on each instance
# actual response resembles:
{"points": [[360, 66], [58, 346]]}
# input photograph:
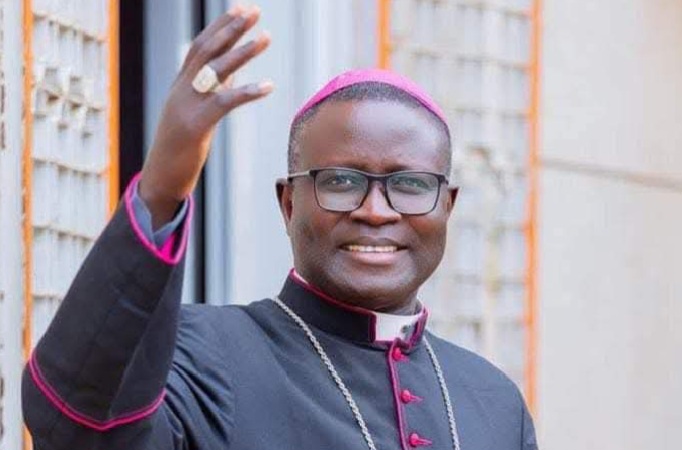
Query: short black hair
{"points": [[369, 90]]}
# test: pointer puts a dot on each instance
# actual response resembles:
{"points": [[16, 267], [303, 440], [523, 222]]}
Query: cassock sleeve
{"points": [[529, 441], [96, 380], [143, 217]]}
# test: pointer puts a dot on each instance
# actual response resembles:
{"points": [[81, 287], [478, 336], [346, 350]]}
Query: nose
{"points": [[375, 209]]}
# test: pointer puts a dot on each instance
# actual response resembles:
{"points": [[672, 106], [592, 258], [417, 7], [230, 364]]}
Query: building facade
{"points": [[564, 252]]}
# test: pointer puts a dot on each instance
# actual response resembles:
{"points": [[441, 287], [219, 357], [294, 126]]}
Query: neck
{"points": [[407, 308], [349, 320]]}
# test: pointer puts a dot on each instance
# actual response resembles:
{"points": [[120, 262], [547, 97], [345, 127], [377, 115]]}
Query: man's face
{"points": [[378, 137]]}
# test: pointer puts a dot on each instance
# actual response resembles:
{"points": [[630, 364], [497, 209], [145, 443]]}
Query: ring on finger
{"points": [[205, 80]]}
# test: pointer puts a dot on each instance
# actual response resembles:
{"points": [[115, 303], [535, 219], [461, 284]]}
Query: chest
{"points": [[288, 399]]}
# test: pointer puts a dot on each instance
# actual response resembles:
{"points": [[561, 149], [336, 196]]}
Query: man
{"points": [[340, 359]]}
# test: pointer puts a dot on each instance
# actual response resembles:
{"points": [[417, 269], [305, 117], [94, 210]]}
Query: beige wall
{"points": [[611, 225]]}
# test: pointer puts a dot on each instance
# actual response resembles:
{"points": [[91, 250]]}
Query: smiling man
{"points": [[368, 222], [341, 358]]}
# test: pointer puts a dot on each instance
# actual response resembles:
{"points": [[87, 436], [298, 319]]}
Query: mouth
{"points": [[356, 248], [373, 251]]}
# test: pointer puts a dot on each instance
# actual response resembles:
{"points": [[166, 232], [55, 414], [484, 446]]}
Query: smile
{"points": [[371, 248]]}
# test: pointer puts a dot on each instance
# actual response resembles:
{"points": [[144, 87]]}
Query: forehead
{"points": [[377, 136]]}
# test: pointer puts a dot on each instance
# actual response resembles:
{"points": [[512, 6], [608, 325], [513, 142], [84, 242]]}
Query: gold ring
{"points": [[205, 80]]}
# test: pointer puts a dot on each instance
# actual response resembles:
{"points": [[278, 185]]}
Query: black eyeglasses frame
{"points": [[371, 177]]}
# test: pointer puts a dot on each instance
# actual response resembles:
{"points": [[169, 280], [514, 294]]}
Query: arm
{"points": [[96, 379], [104, 360], [528, 439]]}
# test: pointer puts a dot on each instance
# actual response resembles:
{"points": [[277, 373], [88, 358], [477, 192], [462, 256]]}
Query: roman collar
{"points": [[354, 323]]}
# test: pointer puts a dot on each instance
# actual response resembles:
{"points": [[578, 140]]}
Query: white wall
{"points": [[610, 221]]}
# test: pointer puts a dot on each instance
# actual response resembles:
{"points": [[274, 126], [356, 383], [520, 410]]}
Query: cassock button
{"points": [[406, 396], [418, 441], [397, 354]]}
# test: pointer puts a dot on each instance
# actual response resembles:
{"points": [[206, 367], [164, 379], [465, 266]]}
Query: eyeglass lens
{"points": [[408, 193]]}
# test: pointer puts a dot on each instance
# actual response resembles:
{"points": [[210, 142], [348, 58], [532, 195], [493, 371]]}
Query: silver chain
{"points": [[446, 394], [346, 393]]}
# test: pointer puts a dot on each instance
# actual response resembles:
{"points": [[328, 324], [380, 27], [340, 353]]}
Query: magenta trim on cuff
{"points": [[165, 253], [82, 419], [168, 246]]}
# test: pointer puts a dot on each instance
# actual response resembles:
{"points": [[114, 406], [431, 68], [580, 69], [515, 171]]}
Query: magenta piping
{"points": [[421, 323], [81, 418], [419, 329], [168, 246], [165, 253], [373, 318], [396, 396]]}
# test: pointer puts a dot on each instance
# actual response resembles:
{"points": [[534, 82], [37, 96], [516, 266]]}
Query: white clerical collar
{"points": [[392, 326], [388, 326]]}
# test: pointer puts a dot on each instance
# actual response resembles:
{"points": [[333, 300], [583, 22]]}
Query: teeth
{"points": [[372, 248]]}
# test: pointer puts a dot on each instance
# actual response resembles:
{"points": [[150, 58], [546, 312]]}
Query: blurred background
{"points": [[564, 261]]}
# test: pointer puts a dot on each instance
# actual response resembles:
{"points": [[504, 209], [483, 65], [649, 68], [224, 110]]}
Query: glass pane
{"points": [[332, 180], [413, 184]]}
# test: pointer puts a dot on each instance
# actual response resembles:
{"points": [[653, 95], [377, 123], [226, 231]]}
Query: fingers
{"points": [[230, 61], [220, 36], [225, 100], [215, 46], [205, 35], [228, 36], [232, 14], [228, 83]]}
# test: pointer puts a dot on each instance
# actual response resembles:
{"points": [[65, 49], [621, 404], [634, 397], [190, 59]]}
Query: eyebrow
{"points": [[397, 167]]}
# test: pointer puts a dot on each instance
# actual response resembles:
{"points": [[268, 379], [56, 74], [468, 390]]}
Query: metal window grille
{"points": [[473, 56], [70, 152]]}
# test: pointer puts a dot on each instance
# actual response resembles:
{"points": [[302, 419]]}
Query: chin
{"points": [[377, 293], [371, 286]]}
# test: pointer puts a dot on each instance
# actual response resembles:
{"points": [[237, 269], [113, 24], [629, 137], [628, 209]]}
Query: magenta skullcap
{"points": [[373, 75]]}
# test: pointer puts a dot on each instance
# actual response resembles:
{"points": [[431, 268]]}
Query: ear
{"points": [[285, 200], [451, 199]]}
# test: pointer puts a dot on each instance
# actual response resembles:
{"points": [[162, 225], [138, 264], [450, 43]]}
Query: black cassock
{"points": [[125, 366]]}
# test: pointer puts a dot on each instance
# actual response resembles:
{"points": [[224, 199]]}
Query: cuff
{"points": [[144, 218], [162, 242]]}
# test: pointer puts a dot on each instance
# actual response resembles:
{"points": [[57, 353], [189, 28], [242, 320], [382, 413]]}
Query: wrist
{"points": [[162, 205]]}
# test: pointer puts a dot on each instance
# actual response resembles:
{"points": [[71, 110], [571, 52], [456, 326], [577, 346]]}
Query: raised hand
{"points": [[189, 117]]}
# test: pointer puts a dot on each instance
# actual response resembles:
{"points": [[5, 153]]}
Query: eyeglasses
{"points": [[408, 192]]}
